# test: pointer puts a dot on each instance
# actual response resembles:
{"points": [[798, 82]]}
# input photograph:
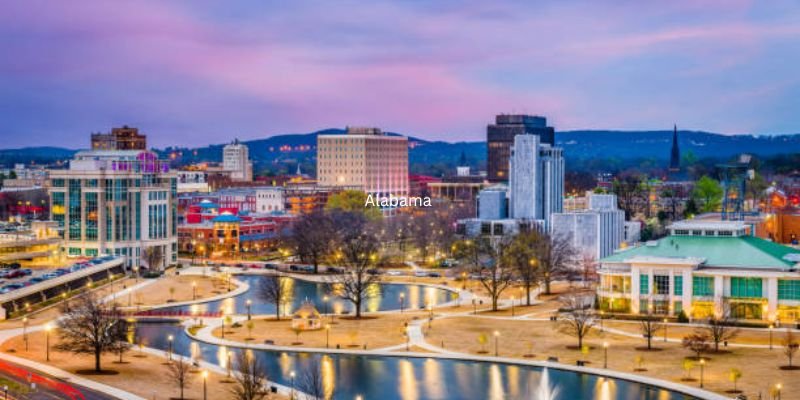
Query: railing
{"points": [[58, 281]]}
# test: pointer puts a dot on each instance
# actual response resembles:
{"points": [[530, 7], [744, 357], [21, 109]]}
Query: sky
{"points": [[196, 72]]}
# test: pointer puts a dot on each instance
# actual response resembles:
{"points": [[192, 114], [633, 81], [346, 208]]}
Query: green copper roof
{"points": [[742, 251]]}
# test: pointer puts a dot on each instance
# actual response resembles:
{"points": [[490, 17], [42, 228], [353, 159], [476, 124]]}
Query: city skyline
{"points": [[436, 71]]}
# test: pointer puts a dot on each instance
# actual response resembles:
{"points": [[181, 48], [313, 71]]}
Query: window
{"points": [[678, 290], [745, 287], [788, 289], [702, 286], [644, 284], [661, 284]]}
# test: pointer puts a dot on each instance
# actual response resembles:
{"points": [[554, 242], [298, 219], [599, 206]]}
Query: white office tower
{"points": [[536, 180], [596, 231], [236, 160]]}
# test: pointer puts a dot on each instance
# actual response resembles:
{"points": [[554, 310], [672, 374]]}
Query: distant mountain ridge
{"points": [[286, 151]]}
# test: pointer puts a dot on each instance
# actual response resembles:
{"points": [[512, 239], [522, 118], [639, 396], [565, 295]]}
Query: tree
{"points": [[90, 326], [734, 374], [790, 346], [483, 339], [697, 342], [311, 238], [521, 256], [250, 376], [275, 289], [179, 372], [358, 249], [153, 256], [353, 201], [577, 318], [650, 326], [485, 260], [719, 329], [708, 193], [588, 265], [628, 188], [312, 380], [555, 256]]}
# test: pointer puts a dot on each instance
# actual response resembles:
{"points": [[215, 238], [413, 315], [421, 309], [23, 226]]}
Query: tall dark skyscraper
{"points": [[675, 154], [500, 137]]}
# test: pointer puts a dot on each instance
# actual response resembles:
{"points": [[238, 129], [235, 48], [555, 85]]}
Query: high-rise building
{"points": [[365, 158], [236, 161], [125, 138], [120, 202], [500, 137], [536, 184]]}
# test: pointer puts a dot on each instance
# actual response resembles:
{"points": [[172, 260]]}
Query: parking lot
{"points": [[13, 276]]}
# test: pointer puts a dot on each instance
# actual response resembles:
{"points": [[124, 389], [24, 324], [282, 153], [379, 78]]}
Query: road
{"points": [[46, 387]]}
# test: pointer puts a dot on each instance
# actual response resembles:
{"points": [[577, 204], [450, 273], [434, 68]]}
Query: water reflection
{"points": [[380, 297], [399, 378]]}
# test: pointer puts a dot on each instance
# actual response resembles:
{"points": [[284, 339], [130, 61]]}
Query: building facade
{"points": [[500, 137], [119, 202], [236, 161], [536, 179], [125, 138], [364, 158], [596, 231], [704, 269]]}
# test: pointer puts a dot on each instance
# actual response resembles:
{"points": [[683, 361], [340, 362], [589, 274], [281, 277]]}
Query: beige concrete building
{"points": [[365, 158]]}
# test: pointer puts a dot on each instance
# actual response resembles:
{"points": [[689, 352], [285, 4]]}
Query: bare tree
{"points": [[312, 382], [485, 259], [697, 342], [275, 289], [153, 256], [90, 326], [720, 329], [358, 253], [250, 376], [577, 317], [588, 265], [179, 372], [312, 238], [555, 255], [650, 326], [521, 256], [790, 346]]}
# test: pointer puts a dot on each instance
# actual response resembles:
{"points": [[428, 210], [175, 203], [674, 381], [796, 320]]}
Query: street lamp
{"points": [[602, 314], [474, 306], [327, 335], [25, 331], [770, 336], [605, 354], [496, 341], [778, 388], [169, 346], [194, 290], [229, 354], [205, 388], [291, 374], [47, 329], [464, 280], [249, 303], [702, 370], [402, 301]]}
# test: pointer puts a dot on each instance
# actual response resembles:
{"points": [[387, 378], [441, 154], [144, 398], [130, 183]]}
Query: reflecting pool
{"points": [[410, 378], [382, 297]]}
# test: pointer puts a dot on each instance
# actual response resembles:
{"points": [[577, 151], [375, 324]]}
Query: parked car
{"points": [[26, 271], [15, 274], [50, 275], [420, 274], [37, 279], [335, 270], [435, 275], [61, 271], [394, 273]]}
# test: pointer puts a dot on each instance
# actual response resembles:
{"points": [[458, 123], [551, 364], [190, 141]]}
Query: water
{"points": [[409, 378], [382, 297]]}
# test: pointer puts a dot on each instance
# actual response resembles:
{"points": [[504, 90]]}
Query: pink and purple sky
{"points": [[199, 72]]}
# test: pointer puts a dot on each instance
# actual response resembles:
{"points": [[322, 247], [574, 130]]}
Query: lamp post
{"points": [[464, 280], [402, 302], [702, 370], [169, 347], [605, 354], [249, 303], [194, 290], [496, 343], [770, 336], [25, 331], [602, 314], [47, 329], [327, 335], [665, 330], [778, 388], [205, 388], [229, 354], [291, 374]]}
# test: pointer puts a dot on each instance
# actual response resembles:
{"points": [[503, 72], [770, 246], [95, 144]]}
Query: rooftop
{"points": [[719, 251]]}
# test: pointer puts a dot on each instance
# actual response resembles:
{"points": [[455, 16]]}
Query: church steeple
{"points": [[675, 155]]}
